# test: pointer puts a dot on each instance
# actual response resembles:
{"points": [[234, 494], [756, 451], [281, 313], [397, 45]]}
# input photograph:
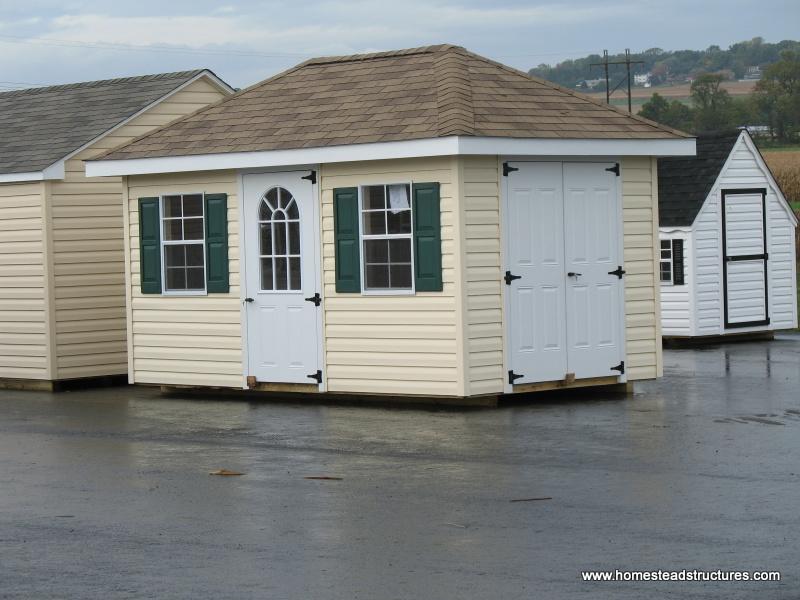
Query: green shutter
{"points": [[150, 245], [345, 235], [427, 238], [217, 243]]}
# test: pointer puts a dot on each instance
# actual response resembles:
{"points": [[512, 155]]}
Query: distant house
{"points": [[753, 73], [727, 238], [642, 79], [422, 222], [590, 84], [62, 298]]}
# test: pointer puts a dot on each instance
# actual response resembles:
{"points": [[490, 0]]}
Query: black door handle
{"points": [[574, 274], [248, 300]]}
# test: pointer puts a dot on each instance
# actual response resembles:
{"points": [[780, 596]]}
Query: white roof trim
{"points": [[751, 146], [744, 138], [443, 146], [54, 171]]}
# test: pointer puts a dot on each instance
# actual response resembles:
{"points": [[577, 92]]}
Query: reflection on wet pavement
{"points": [[107, 493]]}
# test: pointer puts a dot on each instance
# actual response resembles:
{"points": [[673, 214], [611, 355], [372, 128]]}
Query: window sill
{"points": [[388, 293], [188, 293]]}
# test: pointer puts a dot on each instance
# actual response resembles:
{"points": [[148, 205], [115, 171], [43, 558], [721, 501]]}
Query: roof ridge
{"points": [[345, 58], [103, 82], [573, 93], [455, 113], [249, 88]]}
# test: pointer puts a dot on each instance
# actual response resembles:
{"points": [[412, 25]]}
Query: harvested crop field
{"points": [[785, 165]]}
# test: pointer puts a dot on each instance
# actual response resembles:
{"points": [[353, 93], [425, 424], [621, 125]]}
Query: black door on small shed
{"points": [[744, 258]]}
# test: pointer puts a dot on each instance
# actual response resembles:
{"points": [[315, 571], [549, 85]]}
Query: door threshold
{"points": [[267, 386], [563, 384]]}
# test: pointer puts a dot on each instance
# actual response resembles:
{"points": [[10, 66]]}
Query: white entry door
{"points": [[281, 286], [565, 295], [745, 258], [595, 300], [535, 225]]}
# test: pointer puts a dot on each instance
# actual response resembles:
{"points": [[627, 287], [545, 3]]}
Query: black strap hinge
{"points": [[620, 367], [619, 272], [312, 177], [316, 376], [316, 299], [512, 377], [508, 169], [614, 169], [509, 277]]}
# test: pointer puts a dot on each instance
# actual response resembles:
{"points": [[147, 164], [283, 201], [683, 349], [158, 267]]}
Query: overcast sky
{"points": [[49, 42]]}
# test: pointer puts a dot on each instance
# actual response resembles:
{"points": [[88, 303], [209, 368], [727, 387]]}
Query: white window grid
{"points": [[288, 255], [165, 243], [384, 236]]}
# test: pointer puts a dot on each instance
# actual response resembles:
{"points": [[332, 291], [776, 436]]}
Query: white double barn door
{"points": [[565, 300]]}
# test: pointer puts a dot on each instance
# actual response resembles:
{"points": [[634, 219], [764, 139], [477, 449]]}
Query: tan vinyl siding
{"points": [[482, 260], [640, 226], [88, 257], [24, 318], [394, 344], [180, 340]]}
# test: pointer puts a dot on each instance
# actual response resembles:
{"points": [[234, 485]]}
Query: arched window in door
{"points": [[279, 241]]}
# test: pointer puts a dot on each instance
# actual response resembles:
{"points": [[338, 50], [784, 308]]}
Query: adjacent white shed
{"points": [[727, 238]]}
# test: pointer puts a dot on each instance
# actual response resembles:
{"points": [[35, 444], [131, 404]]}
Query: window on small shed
{"points": [[183, 243], [386, 237], [671, 263]]}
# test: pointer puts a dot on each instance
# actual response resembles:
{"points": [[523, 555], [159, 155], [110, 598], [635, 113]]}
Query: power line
{"points": [[627, 62]]}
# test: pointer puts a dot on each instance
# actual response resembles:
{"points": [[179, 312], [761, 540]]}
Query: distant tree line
{"points": [[775, 103], [668, 66]]}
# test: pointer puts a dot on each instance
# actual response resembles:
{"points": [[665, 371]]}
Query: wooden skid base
{"points": [[288, 392], [703, 340], [546, 386], [46, 385]]}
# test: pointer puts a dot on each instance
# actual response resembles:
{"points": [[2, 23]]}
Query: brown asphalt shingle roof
{"points": [[410, 94]]}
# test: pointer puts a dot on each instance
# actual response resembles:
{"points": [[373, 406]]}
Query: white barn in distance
{"points": [[727, 239]]}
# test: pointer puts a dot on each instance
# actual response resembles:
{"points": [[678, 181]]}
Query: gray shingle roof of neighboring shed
{"points": [[40, 126], [684, 182]]}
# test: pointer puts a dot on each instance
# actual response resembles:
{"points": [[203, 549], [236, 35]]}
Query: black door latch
{"points": [[509, 277], [574, 274], [316, 299], [248, 300], [619, 272]]}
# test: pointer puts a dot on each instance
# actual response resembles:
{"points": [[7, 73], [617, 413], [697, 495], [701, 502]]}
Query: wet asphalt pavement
{"points": [[107, 493]]}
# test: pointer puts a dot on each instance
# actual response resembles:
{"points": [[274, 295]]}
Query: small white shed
{"points": [[727, 238]]}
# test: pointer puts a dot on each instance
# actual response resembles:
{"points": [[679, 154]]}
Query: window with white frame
{"points": [[279, 241], [386, 237], [183, 243]]}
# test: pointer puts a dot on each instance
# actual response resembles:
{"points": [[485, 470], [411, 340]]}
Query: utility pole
{"points": [[627, 62]]}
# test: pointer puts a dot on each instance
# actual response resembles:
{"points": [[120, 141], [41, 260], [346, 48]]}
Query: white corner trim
{"points": [[54, 171], [444, 146]]}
